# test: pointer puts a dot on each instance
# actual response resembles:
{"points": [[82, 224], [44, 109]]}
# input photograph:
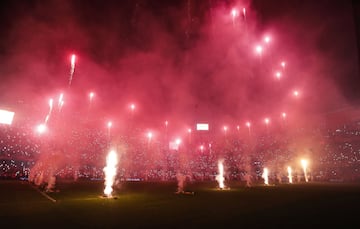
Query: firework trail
{"points": [[72, 68]]}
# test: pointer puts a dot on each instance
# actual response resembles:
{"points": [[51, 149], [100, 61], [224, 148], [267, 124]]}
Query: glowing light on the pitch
{"points": [[289, 170], [238, 127], [110, 172], [201, 148], [265, 176], [189, 130], [244, 12], [283, 115], [304, 164], [220, 177], [178, 141], [283, 64]]}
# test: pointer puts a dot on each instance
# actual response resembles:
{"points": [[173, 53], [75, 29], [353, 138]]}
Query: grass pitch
{"points": [[148, 205]]}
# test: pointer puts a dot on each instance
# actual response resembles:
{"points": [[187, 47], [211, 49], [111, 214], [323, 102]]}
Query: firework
{"points": [[267, 121], [47, 118], [72, 68], [296, 93], [234, 14], [110, 172], [132, 107], [267, 39], [60, 99], [265, 176], [181, 180], [225, 128], [220, 177], [304, 164], [289, 170], [248, 124], [149, 135], [91, 96], [278, 75], [41, 128], [50, 105], [50, 110], [201, 148], [258, 49], [283, 64]]}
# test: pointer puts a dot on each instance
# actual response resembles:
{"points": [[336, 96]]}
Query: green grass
{"points": [[149, 205]]}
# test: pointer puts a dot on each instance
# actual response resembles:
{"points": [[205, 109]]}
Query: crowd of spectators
{"points": [[333, 154]]}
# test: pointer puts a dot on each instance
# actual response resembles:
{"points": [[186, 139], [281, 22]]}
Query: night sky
{"points": [[184, 60]]}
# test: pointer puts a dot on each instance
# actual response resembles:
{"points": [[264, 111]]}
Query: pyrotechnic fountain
{"points": [[304, 164], [220, 177], [110, 172], [265, 176], [181, 180], [290, 174]]}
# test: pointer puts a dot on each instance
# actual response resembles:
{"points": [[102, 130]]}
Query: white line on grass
{"points": [[44, 194]]}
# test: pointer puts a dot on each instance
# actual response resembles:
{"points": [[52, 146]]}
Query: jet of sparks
{"points": [[304, 164], [289, 174], [265, 176], [220, 177], [110, 172]]}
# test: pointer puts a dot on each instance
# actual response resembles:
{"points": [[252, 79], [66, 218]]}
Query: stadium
{"points": [[186, 114]]}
